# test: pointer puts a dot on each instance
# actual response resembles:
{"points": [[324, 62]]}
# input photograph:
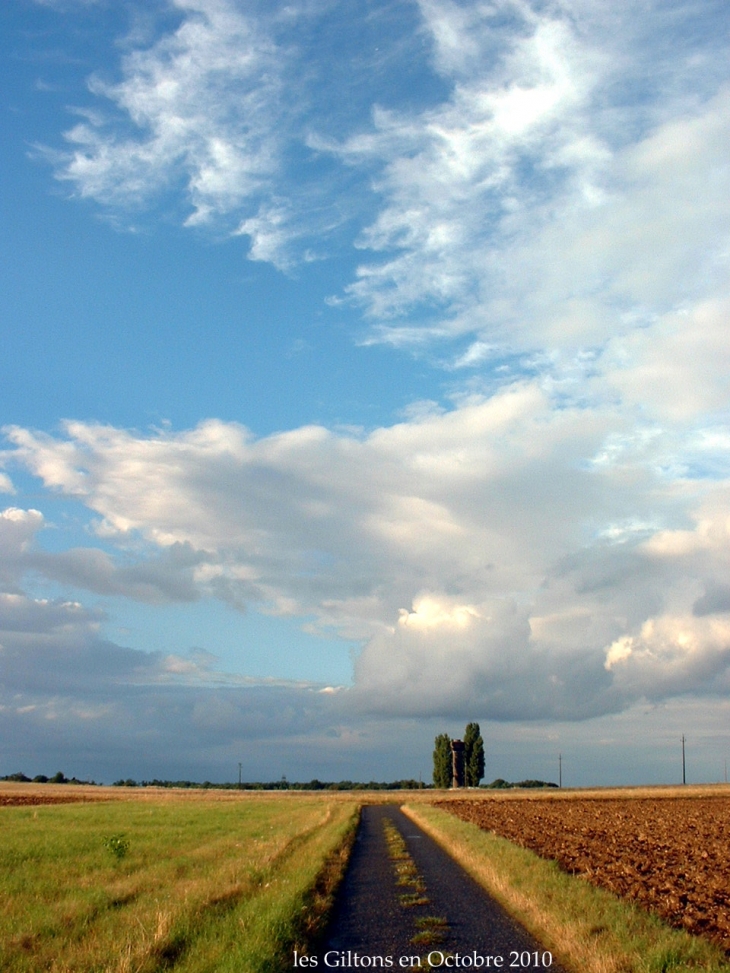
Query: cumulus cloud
{"points": [[168, 577], [17, 531], [673, 656], [497, 553], [443, 497]]}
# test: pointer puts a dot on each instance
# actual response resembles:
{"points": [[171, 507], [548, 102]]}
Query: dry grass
{"points": [[12, 792], [569, 794]]}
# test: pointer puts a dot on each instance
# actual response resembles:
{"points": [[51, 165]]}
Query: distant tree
{"points": [[442, 761], [473, 755]]}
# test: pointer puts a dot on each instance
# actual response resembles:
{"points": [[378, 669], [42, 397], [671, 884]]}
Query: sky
{"points": [[365, 371]]}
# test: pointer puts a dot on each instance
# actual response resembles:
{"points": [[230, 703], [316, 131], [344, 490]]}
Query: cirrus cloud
{"points": [[201, 102]]}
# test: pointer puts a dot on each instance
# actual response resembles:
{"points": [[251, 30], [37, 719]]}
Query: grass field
{"points": [[137, 886]]}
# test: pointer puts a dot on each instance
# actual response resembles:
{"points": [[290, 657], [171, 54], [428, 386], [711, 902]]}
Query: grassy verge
{"points": [[587, 929], [144, 887]]}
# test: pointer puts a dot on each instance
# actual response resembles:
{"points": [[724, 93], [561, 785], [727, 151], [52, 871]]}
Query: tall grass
{"points": [[137, 887]]}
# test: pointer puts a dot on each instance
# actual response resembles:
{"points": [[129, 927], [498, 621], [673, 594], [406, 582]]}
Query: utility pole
{"points": [[684, 772], [560, 770], [239, 776]]}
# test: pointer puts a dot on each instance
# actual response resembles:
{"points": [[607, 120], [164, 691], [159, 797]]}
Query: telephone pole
{"points": [[684, 772], [239, 776], [560, 770]]}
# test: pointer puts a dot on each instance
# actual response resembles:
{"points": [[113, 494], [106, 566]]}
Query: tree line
{"points": [[275, 785], [473, 758]]}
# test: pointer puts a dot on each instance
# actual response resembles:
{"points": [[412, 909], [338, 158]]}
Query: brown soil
{"points": [[670, 856], [14, 794], [22, 800]]}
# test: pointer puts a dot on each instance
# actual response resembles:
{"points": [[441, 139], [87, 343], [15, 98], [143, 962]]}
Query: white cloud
{"points": [[17, 531], [204, 103], [463, 178], [444, 657], [209, 120], [571, 187], [532, 207], [674, 655], [478, 554], [431, 613], [18, 527], [270, 233], [678, 367], [168, 577], [289, 508]]}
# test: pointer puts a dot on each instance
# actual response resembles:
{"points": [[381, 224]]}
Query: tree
{"points": [[473, 755], [442, 761]]}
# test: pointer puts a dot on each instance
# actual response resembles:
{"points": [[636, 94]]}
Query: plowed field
{"points": [[671, 856], [31, 800]]}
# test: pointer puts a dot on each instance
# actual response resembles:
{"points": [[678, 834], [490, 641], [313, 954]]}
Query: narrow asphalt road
{"points": [[455, 925]]}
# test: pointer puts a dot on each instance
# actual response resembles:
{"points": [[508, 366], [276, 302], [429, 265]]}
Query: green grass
{"points": [[406, 873], [145, 886], [587, 929], [431, 931]]}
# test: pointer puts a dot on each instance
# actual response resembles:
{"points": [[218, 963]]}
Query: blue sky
{"points": [[365, 372]]}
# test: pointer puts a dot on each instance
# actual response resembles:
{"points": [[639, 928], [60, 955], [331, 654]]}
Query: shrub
{"points": [[117, 844]]}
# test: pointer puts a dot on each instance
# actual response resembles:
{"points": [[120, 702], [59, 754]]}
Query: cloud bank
{"points": [[520, 557]]}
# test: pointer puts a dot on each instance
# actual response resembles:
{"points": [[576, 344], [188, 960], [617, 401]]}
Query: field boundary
{"points": [[588, 929], [320, 897]]}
